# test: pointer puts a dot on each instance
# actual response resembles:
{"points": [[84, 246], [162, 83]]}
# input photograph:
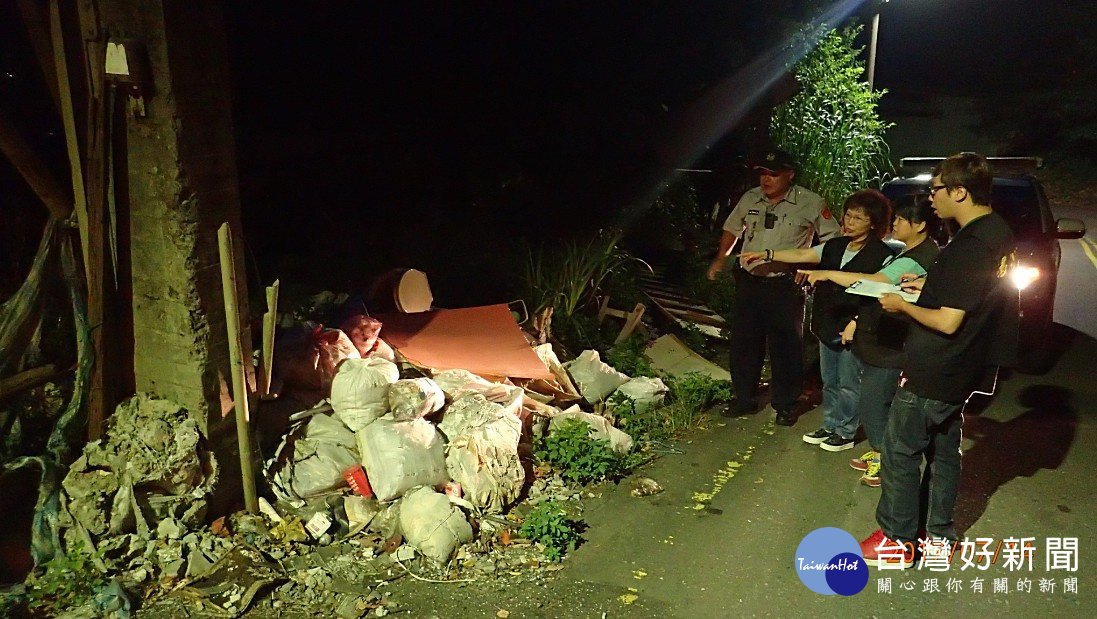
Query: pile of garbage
{"points": [[395, 469]]}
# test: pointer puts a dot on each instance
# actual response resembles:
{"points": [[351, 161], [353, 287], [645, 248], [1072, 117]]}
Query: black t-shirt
{"points": [[971, 274], [880, 335]]}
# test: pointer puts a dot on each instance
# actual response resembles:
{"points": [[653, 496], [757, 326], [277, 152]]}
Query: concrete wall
{"points": [[182, 185]]}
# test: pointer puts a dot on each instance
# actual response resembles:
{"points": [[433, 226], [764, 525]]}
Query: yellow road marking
{"points": [[1086, 242]]}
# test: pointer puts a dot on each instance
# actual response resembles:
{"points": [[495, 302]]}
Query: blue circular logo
{"points": [[829, 561]]}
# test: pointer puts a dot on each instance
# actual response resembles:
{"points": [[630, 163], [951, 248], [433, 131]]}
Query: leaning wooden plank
{"points": [[270, 319], [68, 120], [239, 381], [28, 379]]}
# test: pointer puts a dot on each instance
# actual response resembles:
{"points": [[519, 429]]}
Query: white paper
{"points": [[870, 288]]}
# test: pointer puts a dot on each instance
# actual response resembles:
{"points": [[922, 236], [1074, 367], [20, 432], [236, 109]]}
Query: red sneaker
{"points": [[885, 553]]}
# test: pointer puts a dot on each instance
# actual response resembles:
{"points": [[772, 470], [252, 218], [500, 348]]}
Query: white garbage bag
{"points": [[485, 462], [432, 524], [455, 383], [399, 455], [322, 450], [603, 429], [468, 411], [414, 398], [596, 379], [646, 393], [359, 391]]}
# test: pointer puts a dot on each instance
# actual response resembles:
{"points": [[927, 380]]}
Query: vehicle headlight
{"points": [[1022, 276]]}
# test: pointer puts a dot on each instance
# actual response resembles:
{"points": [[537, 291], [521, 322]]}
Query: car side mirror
{"points": [[1070, 228]]}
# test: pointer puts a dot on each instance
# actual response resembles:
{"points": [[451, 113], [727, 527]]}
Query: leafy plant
{"points": [[549, 525], [70, 579], [696, 391], [628, 357], [578, 456], [832, 124], [569, 278]]}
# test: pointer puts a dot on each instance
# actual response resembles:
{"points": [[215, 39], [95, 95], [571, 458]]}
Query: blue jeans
{"points": [[878, 387], [841, 372], [920, 427]]}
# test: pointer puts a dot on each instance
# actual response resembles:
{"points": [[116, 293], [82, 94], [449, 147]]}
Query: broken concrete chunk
{"points": [[169, 528]]}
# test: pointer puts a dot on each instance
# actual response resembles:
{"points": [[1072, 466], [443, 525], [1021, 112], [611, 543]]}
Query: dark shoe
{"points": [[837, 443], [785, 418], [740, 409], [816, 437]]}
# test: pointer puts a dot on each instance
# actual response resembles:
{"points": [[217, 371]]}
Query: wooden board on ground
{"points": [[670, 355]]}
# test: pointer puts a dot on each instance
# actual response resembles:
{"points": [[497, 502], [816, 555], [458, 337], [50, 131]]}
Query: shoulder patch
{"points": [[825, 213]]}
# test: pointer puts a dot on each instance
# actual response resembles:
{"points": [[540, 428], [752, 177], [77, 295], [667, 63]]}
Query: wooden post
{"points": [[236, 360], [97, 146], [266, 356]]}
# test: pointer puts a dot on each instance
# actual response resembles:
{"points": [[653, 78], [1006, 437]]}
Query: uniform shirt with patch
{"points": [[795, 220]]}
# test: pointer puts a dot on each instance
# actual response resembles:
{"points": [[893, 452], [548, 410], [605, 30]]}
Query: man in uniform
{"points": [[769, 303]]}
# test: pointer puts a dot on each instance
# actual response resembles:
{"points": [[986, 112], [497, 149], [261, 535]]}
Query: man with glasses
{"points": [[963, 324], [769, 303]]}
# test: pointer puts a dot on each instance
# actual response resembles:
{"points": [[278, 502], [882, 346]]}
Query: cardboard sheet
{"points": [[668, 354], [484, 340]]}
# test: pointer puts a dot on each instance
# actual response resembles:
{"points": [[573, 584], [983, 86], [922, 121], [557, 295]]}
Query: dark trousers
{"points": [[919, 427], [768, 312], [878, 387]]}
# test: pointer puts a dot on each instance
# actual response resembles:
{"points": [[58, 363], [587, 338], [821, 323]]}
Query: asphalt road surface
{"points": [[1076, 297]]}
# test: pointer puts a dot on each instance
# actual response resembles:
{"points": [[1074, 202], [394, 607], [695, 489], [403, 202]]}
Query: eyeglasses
{"points": [[935, 188], [855, 217]]}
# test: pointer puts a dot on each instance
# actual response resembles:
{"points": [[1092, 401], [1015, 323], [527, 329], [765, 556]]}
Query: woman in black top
{"points": [[866, 221]]}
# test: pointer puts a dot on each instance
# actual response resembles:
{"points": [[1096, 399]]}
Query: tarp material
{"points": [[485, 340]]}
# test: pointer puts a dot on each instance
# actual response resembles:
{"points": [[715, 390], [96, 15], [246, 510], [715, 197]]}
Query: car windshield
{"points": [[1016, 202], [1019, 206]]}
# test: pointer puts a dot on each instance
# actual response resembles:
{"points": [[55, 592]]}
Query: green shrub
{"points": [[580, 458], [628, 357], [831, 125], [549, 525], [70, 579], [697, 391]]}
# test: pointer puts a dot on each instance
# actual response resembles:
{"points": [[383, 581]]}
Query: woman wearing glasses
{"points": [[878, 344], [860, 250]]}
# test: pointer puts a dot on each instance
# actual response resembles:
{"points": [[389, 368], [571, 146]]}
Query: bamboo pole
{"points": [[270, 319], [236, 360], [68, 118]]}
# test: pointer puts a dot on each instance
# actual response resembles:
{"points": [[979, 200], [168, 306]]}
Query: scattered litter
{"points": [[645, 486]]}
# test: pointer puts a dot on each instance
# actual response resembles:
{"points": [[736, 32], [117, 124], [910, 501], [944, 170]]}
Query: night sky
{"points": [[405, 136]]}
